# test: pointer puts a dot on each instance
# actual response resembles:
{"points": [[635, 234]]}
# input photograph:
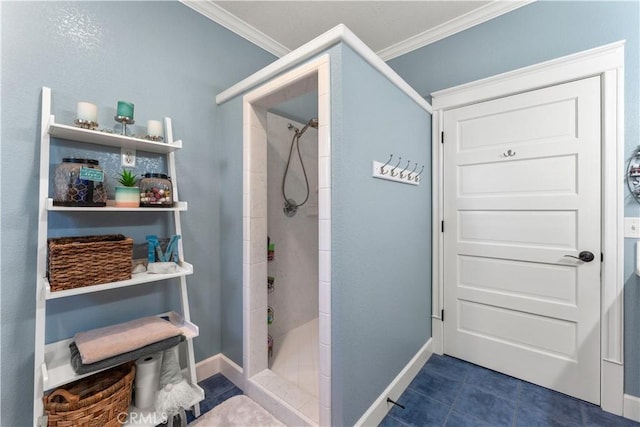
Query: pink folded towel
{"points": [[102, 343]]}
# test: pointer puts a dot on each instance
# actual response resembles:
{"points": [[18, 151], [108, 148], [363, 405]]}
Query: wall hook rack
{"points": [[393, 172], [384, 171], [417, 177]]}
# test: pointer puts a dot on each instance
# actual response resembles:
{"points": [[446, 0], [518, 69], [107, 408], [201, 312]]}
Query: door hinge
{"points": [[442, 226], [442, 315], [601, 257], [442, 137]]}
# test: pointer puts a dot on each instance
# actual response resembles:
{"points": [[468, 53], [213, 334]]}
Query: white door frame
{"points": [[313, 76], [605, 61]]}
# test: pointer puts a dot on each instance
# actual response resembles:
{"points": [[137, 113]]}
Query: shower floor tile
{"points": [[295, 357]]}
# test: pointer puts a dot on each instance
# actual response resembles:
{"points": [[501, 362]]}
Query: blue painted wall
{"points": [[539, 32], [169, 61], [381, 237], [229, 162]]}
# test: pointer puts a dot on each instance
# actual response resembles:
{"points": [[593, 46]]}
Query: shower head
{"points": [[313, 122]]}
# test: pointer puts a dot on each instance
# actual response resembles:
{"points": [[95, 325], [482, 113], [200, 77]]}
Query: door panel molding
{"points": [[608, 63]]}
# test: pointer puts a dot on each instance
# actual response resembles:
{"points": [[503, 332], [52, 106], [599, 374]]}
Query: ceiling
{"points": [[390, 28]]}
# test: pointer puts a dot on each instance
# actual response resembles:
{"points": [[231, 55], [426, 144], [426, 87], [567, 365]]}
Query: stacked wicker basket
{"points": [[75, 262], [101, 400]]}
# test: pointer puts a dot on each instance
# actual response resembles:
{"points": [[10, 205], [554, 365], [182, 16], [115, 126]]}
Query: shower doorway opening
{"points": [[287, 257], [292, 260]]}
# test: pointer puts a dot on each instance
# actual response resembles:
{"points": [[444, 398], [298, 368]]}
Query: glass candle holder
{"points": [[124, 115]]}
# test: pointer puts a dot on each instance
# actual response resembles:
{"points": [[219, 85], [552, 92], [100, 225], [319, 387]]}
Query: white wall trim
{"points": [[578, 65], [632, 407], [380, 407], [232, 371], [337, 34], [313, 75], [220, 364], [607, 62], [208, 367], [612, 387], [451, 27], [232, 23]]}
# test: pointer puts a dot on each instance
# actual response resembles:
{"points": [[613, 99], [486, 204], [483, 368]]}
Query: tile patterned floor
{"points": [[451, 392]]}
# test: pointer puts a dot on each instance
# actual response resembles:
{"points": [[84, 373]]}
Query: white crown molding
{"points": [[485, 13], [449, 28], [339, 33], [219, 15]]}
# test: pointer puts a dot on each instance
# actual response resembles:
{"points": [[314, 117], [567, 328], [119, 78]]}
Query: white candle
{"points": [[88, 111], [154, 128]]}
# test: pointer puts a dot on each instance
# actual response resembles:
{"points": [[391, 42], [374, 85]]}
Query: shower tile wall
{"points": [[295, 267]]}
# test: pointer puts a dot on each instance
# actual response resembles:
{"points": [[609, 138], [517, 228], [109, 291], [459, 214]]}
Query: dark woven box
{"points": [[75, 262]]}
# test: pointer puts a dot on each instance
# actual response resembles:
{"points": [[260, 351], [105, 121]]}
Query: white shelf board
{"points": [[57, 356], [177, 206], [184, 269], [150, 418], [73, 133]]}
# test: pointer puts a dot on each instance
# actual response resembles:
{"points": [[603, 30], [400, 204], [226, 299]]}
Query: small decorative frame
{"points": [[633, 175]]}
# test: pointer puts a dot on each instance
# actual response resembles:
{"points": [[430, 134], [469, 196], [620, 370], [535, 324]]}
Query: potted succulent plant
{"points": [[127, 194]]}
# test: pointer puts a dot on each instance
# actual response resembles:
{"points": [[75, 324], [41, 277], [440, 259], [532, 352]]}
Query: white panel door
{"points": [[522, 191]]}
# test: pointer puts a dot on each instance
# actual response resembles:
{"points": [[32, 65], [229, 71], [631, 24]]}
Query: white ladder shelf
{"points": [[52, 366]]}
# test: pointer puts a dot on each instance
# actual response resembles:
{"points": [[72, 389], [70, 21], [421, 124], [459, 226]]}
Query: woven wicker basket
{"points": [[75, 262], [101, 400]]}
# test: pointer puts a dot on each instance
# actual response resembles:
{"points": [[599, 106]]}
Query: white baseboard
{"points": [[208, 367], [232, 371], [631, 407], [380, 407], [612, 387], [220, 364], [437, 335]]}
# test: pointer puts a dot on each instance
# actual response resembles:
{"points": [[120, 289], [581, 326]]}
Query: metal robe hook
{"points": [[509, 153], [382, 171], [402, 175], [417, 178], [395, 167], [409, 177]]}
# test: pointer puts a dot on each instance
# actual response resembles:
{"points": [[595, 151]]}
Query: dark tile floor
{"points": [[217, 389], [450, 392]]}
